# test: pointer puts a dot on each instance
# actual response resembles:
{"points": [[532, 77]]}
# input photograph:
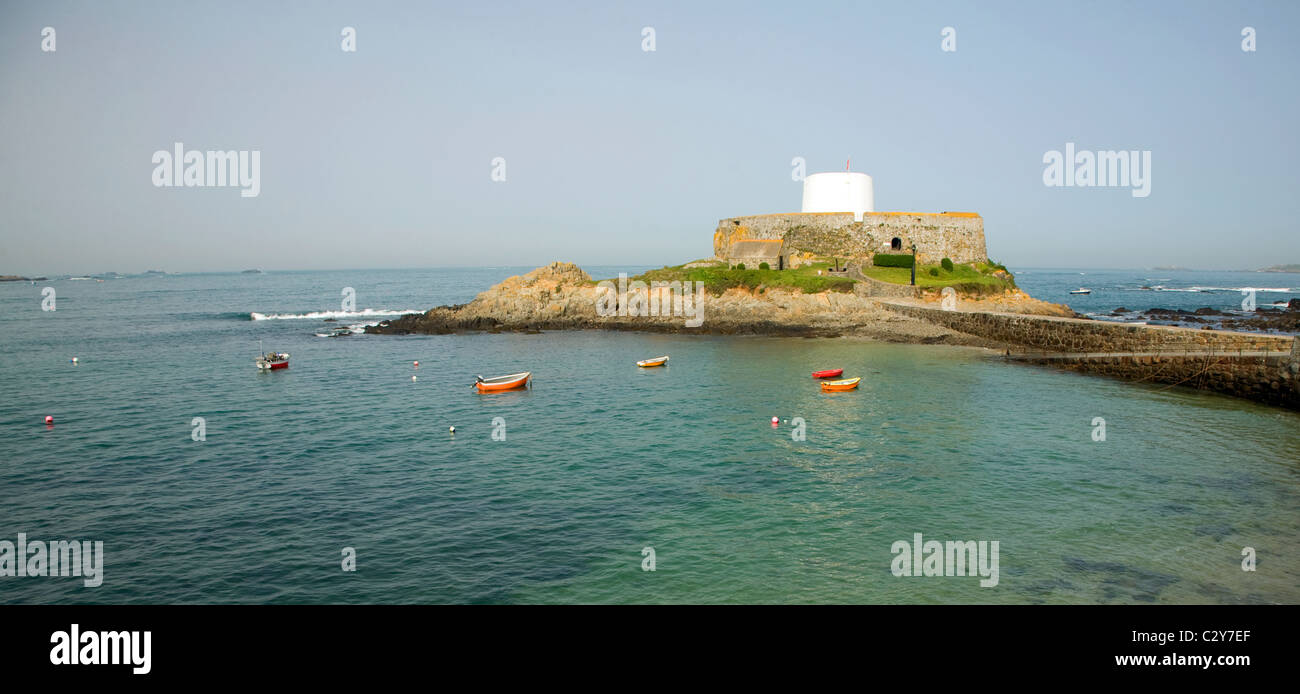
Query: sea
{"points": [[339, 480], [1234, 294]]}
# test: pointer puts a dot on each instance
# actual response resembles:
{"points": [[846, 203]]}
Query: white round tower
{"points": [[841, 191]]}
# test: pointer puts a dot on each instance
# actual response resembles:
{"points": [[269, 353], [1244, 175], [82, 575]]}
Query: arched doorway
{"points": [[896, 244]]}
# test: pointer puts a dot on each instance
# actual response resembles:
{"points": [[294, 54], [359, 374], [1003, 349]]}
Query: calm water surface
{"points": [[600, 459]]}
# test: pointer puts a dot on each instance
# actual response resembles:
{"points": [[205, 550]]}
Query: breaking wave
{"points": [[1237, 289], [337, 315], [1206, 290]]}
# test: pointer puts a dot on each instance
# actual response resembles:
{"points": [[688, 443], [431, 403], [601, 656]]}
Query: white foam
{"points": [[322, 315], [1238, 289]]}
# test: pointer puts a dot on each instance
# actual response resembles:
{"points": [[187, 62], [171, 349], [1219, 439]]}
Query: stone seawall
{"points": [[955, 235], [1263, 368], [1079, 335], [1273, 380]]}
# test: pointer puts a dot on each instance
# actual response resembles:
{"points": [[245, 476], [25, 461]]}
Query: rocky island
{"points": [[561, 296]]}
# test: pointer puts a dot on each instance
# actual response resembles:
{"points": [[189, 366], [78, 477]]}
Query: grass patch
{"points": [[966, 279], [720, 278]]}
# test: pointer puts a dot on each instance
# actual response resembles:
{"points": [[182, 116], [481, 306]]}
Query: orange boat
{"points": [[657, 361], [493, 385], [846, 384]]}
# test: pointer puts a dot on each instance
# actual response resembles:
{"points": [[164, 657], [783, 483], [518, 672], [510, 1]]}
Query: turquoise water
{"points": [[600, 460]]}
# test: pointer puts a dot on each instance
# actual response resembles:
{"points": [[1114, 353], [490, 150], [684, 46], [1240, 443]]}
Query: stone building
{"points": [[859, 232], [753, 252]]}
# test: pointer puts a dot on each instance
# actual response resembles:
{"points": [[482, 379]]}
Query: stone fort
{"points": [[838, 220]]}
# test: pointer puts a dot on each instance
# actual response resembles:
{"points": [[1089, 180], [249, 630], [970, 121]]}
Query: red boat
{"points": [[272, 361], [828, 373]]}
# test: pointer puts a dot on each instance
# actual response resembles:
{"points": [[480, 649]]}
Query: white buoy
{"points": [[413, 378], [451, 430]]}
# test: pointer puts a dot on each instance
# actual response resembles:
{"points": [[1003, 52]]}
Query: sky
{"points": [[382, 157]]}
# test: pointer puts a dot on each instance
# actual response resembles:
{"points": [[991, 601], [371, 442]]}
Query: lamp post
{"points": [[913, 265]]}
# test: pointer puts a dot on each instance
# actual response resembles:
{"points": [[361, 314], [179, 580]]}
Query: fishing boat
{"points": [[1081, 290], [492, 385], [657, 361], [271, 361], [846, 384], [341, 332], [828, 373]]}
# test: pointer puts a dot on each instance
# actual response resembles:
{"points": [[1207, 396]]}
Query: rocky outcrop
{"points": [[561, 296], [1008, 301], [1263, 319]]}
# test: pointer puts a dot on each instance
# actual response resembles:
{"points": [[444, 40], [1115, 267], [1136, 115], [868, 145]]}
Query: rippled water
{"points": [[600, 460], [1140, 290]]}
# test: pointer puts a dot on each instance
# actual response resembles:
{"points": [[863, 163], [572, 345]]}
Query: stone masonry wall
{"points": [[1077, 335], [1269, 379], [955, 235]]}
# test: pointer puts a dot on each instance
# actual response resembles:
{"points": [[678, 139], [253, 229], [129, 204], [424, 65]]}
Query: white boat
{"points": [[1081, 290]]}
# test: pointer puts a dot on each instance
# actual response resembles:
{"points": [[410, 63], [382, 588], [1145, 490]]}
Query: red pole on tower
{"points": [[846, 163]]}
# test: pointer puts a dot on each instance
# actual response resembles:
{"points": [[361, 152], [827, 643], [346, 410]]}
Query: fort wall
{"points": [[955, 235]]}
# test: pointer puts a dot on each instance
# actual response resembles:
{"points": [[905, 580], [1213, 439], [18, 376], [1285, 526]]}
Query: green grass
{"points": [[720, 278], [977, 279]]}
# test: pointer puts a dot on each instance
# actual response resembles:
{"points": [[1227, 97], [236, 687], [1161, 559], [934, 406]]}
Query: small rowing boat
{"points": [[846, 384], [493, 385], [828, 373], [657, 361]]}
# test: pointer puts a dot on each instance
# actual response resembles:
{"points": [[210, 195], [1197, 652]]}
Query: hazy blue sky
{"points": [[382, 157]]}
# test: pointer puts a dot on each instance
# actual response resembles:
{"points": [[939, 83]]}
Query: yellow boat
{"points": [[657, 361], [846, 384]]}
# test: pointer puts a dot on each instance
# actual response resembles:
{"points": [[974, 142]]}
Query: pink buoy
{"points": [[775, 421], [49, 419], [417, 363]]}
